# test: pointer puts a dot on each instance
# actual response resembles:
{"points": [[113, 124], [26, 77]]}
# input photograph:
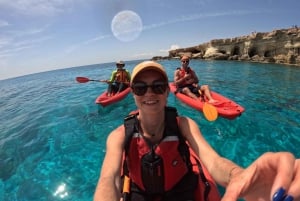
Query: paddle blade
{"points": [[82, 79], [210, 112]]}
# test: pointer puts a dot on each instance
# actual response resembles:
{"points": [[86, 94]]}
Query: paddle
{"points": [[210, 112], [85, 79]]}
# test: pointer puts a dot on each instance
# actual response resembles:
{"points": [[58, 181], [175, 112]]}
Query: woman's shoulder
{"points": [[117, 136], [119, 130], [185, 122], [184, 118], [177, 71]]}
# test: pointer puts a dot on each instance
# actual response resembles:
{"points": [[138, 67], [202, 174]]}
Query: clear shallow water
{"points": [[52, 135]]}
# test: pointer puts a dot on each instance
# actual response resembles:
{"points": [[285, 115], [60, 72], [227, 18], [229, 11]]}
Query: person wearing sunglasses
{"points": [[119, 79], [146, 157], [186, 81]]}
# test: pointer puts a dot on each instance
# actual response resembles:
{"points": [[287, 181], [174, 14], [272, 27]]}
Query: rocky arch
{"points": [[268, 53], [222, 51], [235, 50], [252, 51]]}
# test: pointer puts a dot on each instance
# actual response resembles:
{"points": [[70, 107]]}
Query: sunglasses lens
{"points": [[159, 87], [139, 88]]}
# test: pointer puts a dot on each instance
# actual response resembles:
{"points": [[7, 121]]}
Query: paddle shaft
{"points": [[85, 79]]}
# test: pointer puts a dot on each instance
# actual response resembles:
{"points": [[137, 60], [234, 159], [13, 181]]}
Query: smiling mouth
{"points": [[150, 102]]}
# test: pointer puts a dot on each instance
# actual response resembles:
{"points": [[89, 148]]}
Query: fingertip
{"points": [[278, 195], [288, 198]]}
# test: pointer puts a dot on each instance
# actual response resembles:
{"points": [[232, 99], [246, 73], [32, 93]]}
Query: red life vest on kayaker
{"points": [[182, 73], [166, 170]]}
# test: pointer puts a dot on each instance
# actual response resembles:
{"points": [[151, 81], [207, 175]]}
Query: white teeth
{"points": [[150, 102]]}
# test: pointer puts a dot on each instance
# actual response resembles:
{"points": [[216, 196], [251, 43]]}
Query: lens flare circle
{"points": [[126, 26]]}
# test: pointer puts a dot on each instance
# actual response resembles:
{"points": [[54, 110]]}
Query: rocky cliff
{"points": [[278, 46]]}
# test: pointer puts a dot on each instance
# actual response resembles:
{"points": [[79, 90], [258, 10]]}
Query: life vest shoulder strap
{"points": [[130, 123]]}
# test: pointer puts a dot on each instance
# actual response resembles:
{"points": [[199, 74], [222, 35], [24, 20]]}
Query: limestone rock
{"points": [[278, 46]]}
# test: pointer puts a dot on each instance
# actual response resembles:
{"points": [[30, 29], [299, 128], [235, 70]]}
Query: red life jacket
{"points": [[156, 171], [182, 73]]}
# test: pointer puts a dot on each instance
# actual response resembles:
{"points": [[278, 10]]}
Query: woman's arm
{"points": [[221, 169], [108, 187], [273, 176]]}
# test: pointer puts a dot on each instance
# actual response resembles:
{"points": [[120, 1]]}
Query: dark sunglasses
{"points": [[140, 88], [185, 61]]}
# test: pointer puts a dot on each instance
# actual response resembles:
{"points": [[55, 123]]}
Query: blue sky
{"points": [[42, 35]]}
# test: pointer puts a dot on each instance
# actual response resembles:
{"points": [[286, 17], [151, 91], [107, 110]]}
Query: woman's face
{"points": [[153, 100], [185, 63]]}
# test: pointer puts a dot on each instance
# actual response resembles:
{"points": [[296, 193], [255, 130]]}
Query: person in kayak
{"points": [[153, 166], [186, 81], [119, 79]]}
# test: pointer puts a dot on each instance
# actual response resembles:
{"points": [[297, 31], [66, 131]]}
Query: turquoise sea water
{"points": [[52, 135]]}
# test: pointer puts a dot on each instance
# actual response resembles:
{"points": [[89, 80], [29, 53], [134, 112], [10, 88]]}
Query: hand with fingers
{"points": [[273, 176]]}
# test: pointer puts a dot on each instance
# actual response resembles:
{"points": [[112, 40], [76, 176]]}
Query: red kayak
{"points": [[226, 108], [105, 100]]}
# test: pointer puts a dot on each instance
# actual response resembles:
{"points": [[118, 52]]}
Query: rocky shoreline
{"points": [[278, 46]]}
